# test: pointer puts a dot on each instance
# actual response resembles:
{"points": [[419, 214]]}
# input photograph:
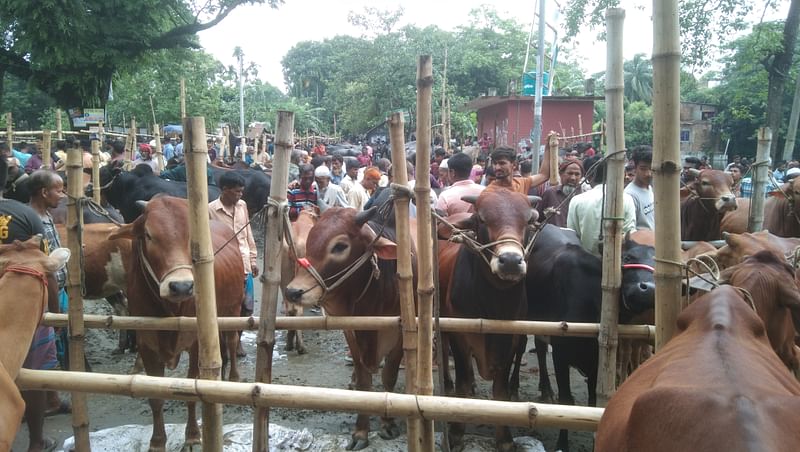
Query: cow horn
{"points": [[363, 217], [472, 199], [534, 200], [141, 204]]}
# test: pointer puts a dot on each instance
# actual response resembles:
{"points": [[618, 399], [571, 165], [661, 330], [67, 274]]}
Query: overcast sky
{"points": [[267, 34]]}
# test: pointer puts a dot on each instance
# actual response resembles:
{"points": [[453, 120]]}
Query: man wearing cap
{"points": [[146, 158], [328, 194], [359, 194], [555, 202]]}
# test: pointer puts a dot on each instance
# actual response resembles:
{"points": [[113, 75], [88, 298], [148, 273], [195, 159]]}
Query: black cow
{"points": [[256, 186], [564, 284], [124, 188]]}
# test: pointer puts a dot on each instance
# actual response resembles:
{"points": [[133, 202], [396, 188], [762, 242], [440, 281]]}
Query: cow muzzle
{"points": [[509, 263], [177, 286], [726, 203]]}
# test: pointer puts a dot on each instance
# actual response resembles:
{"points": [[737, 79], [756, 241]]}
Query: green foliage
{"points": [[638, 124], [72, 49], [703, 23], [638, 76]]}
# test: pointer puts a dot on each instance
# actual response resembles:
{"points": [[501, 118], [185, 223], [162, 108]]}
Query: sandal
{"points": [[63, 408]]}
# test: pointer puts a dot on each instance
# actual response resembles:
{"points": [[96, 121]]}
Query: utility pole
{"points": [[536, 133], [237, 52]]}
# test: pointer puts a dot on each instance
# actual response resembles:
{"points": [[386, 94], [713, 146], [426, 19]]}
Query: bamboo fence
{"points": [[613, 213], [272, 271], [80, 410], [405, 274], [158, 150], [327, 323], [755, 218], [46, 144], [666, 166], [387, 404], [202, 251], [552, 142], [96, 170], [425, 287]]}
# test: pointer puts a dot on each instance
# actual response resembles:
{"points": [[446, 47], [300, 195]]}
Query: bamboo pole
{"points": [[389, 404], [9, 130], [755, 219], [666, 166], [271, 276], [405, 273], [159, 150], [580, 125], [445, 113], [194, 134], [612, 226], [80, 410], [47, 158], [552, 141], [96, 170], [223, 145], [183, 99], [131, 145], [59, 131], [328, 323], [425, 288]]}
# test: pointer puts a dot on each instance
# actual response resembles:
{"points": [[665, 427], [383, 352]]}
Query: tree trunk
{"points": [[778, 71]]}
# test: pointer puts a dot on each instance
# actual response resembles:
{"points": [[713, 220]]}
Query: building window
{"points": [[684, 136]]}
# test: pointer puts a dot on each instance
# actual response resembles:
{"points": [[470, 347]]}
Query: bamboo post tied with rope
{"points": [[158, 149], [47, 143], [425, 264], [552, 142], [271, 275], [755, 219], [666, 167], [77, 334], [210, 359], [613, 212], [405, 274], [96, 169]]}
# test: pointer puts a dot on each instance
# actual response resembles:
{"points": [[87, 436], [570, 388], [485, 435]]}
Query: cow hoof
{"points": [[507, 447], [118, 351], [157, 449], [357, 443], [301, 350], [192, 446], [289, 346], [389, 431], [456, 445]]}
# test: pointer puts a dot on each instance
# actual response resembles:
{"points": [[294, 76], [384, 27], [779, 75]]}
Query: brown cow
{"points": [[780, 214], [105, 264], [22, 273], [716, 385], [769, 282], [488, 284], [356, 275], [739, 246], [300, 229], [161, 284], [702, 212]]}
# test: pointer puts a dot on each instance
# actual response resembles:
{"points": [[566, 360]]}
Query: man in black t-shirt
{"points": [[19, 222]]}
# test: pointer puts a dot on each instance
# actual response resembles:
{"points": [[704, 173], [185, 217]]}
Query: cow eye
{"points": [[339, 248], [705, 182]]}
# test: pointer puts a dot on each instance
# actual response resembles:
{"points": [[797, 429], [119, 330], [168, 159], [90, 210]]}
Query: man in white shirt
{"points": [[459, 167], [351, 175], [586, 210], [640, 189], [146, 158], [328, 194]]}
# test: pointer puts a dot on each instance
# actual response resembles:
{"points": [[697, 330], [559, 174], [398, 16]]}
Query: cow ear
{"points": [[385, 249], [126, 231]]}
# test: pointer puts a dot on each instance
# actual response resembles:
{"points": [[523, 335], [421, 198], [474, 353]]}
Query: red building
{"points": [[509, 119]]}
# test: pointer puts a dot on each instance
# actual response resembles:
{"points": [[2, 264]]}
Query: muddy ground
{"points": [[325, 365]]}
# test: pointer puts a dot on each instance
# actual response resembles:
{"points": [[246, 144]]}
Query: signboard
{"points": [[80, 117]]}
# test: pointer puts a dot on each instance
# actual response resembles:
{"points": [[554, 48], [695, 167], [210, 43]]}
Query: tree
{"points": [[638, 76], [777, 65], [638, 124], [71, 50]]}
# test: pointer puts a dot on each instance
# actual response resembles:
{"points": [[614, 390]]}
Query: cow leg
{"points": [[120, 307], [232, 344], [513, 387], [360, 438], [546, 394], [448, 379], [192, 430], [154, 368], [465, 378], [561, 367], [389, 428], [500, 391], [623, 360], [294, 338]]}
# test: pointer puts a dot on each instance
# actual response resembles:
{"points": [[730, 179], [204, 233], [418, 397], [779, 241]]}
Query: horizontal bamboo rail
{"points": [[448, 324], [36, 132], [387, 404]]}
